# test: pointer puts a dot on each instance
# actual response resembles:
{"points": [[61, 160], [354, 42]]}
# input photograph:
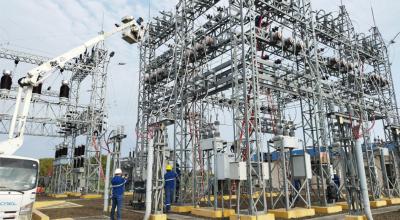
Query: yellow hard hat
{"points": [[169, 167]]}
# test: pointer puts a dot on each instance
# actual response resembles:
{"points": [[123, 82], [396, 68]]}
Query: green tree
{"points": [[46, 166]]}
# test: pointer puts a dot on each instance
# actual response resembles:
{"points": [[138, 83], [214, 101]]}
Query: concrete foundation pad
{"points": [[232, 197], [43, 204], [355, 217], [58, 196], [393, 201], [204, 199], [225, 198], [377, 203], [344, 205], [267, 216], [74, 194], [293, 213], [91, 196], [158, 217], [327, 209], [181, 208], [274, 194], [228, 212], [211, 213], [128, 193]]}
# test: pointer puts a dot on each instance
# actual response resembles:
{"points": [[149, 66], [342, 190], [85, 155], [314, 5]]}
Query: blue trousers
{"points": [[169, 192], [116, 203]]}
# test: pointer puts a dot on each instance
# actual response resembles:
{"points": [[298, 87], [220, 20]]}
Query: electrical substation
{"points": [[265, 109]]}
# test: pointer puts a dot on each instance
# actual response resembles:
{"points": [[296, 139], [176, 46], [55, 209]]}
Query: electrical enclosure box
{"points": [[264, 169], [210, 143], [238, 171], [287, 142], [222, 161], [301, 166]]}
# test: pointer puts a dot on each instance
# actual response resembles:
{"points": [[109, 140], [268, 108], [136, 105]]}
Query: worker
{"points": [[118, 187], [332, 192], [169, 186], [336, 179]]}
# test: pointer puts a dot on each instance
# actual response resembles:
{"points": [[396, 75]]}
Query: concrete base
{"points": [[327, 209], [292, 213], [378, 203], [37, 215], [267, 216], [91, 196], [181, 208], [393, 201], [211, 213], [205, 199], [58, 196], [74, 194], [225, 198], [254, 196], [355, 217], [43, 204], [274, 194], [128, 193], [158, 217], [344, 205]]}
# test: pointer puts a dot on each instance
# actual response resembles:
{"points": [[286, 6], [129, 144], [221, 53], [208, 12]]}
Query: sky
{"points": [[51, 27]]}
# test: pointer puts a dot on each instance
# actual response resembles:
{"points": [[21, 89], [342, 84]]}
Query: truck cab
{"points": [[18, 182]]}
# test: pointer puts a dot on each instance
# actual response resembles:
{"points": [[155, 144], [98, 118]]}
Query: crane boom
{"points": [[42, 72]]}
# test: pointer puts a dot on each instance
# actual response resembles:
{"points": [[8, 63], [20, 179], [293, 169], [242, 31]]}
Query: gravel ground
{"points": [[91, 209]]}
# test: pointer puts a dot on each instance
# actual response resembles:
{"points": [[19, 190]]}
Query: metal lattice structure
{"points": [[261, 63], [67, 118]]}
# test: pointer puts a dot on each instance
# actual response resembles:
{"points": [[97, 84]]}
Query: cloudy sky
{"points": [[51, 27]]}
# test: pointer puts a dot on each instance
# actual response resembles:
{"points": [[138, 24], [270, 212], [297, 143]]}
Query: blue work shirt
{"points": [[118, 186], [336, 179], [169, 178]]}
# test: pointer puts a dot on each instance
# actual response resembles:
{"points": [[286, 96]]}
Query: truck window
{"points": [[18, 174]]}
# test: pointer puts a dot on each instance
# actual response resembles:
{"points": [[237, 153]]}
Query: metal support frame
{"points": [[51, 116], [262, 62]]}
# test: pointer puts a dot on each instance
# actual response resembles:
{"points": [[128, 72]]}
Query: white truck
{"points": [[19, 175], [18, 181]]}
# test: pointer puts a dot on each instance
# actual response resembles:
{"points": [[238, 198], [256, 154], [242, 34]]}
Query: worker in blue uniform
{"points": [[169, 186], [118, 187], [336, 179]]}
